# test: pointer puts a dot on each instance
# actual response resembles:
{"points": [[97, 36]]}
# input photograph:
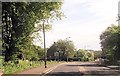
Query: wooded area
{"points": [[21, 24], [18, 26], [110, 43]]}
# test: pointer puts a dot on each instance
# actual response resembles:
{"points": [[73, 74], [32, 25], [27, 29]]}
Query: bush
{"points": [[22, 65], [1, 61]]}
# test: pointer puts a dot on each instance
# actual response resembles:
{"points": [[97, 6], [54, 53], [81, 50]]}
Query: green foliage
{"points": [[84, 58], [34, 53], [23, 65], [110, 43], [1, 62], [85, 55], [81, 53], [97, 54], [64, 48], [90, 55], [18, 23]]}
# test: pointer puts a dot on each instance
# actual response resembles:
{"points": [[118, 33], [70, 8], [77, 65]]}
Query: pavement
{"points": [[37, 71]]}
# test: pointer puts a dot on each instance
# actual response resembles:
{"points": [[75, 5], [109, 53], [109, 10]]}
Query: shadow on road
{"points": [[78, 74], [65, 74], [90, 65], [93, 69]]}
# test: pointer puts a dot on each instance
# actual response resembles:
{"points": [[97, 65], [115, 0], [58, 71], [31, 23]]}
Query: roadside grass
{"points": [[1, 62], [12, 68]]}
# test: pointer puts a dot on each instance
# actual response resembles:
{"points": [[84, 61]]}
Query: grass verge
{"points": [[12, 68]]}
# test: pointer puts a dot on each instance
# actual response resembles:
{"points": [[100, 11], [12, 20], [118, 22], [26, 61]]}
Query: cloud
{"points": [[86, 20]]}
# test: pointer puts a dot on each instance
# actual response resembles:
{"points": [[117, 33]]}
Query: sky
{"points": [[85, 21]]}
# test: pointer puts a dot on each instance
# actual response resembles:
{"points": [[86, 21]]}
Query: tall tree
{"points": [[85, 55], [18, 23], [110, 42], [97, 54], [64, 48]]}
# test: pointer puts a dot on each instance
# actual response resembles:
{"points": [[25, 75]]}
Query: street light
{"points": [[58, 50], [45, 56], [66, 48]]}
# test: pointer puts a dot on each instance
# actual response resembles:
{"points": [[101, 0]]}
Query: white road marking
{"points": [[81, 68], [50, 69]]}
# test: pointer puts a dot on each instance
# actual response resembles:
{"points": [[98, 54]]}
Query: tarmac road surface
{"points": [[81, 69]]}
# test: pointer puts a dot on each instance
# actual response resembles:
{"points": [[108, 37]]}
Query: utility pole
{"points": [[45, 56], [67, 48]]}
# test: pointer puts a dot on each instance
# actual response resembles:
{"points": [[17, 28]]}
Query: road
{"points": [[81, 69]]}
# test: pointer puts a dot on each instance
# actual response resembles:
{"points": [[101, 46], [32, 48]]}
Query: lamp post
{"points": [[67, 55], [58, 54], [45, 56], [58, 50], [66, 48]]}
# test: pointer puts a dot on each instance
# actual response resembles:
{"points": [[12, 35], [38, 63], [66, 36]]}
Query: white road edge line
{"points": [[50, 69]]}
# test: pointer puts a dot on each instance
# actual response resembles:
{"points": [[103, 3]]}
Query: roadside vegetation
{"points": [[84, 55], [61, 50], [1, 62], [65, 50], [22, 24], [12, 68], [110, 43]]}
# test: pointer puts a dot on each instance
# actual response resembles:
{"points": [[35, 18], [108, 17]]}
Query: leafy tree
{"points": [[90, 55], [18, 23], [35, 53], [97, 54], [81, 52], [63, 47], [39, 51], [110, 43], [85, 55]]}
